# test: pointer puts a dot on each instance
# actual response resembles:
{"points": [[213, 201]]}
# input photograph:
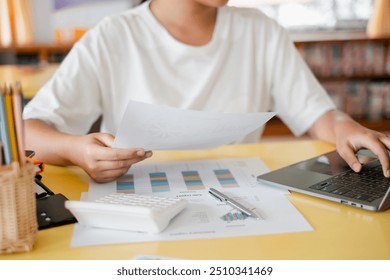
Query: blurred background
{"points": [[45, 18], [344, 42]]}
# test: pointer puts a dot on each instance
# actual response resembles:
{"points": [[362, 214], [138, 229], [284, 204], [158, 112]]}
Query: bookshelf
{"points": [[38, 53], [354, 69]]}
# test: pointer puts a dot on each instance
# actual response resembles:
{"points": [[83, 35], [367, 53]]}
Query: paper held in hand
{"points": [[157, 127]]}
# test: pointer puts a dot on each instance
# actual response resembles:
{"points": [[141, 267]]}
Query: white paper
{"points": [[157, 127], [204, 215]]}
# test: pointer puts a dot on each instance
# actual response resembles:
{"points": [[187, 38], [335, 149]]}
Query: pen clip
{"points": [[234, 203], [217, 195]]}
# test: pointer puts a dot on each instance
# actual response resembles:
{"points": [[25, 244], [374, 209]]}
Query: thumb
{"points": [[105, 138]]}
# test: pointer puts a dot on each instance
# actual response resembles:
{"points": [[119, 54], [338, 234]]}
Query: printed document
{"points": [[204, 216]]}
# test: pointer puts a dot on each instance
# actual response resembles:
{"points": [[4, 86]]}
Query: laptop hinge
{"points": [[385, 204]]}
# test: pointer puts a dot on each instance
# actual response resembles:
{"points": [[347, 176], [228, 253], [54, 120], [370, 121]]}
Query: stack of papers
{"points": [[168, 128], [204, 216]]}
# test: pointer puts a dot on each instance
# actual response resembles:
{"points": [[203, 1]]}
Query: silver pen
{"points": [[224, 198]]}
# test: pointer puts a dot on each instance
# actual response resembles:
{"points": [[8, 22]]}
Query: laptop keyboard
{"points": [[367, 185]]}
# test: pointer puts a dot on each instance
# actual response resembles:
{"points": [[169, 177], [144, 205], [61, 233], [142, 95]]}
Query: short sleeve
{"points": [[70, 100], [298, 97]]}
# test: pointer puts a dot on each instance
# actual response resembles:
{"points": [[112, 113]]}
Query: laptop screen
{"points": [[330, 163]]}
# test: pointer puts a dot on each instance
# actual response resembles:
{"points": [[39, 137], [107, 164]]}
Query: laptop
{"points": [[329, 177]]}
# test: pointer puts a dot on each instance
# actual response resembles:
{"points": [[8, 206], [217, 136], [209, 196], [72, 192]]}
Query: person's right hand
{"points": [[94, 153]]}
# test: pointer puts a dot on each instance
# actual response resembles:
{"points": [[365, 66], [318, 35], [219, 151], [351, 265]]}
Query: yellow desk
{"points": [[340, 232], [31, 77]]}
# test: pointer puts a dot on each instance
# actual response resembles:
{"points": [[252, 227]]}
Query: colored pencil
{"points": [[11, 124], [4, 128], [18, 120]]}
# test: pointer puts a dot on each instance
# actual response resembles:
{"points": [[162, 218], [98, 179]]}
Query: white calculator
{"points": [[143, 213]]}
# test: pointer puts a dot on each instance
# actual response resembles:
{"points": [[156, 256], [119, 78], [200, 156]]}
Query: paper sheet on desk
{"points": [[204, 216], [157, 127]]}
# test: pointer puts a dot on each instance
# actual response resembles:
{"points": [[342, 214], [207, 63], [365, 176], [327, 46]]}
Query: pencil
{"points": [[11, 124], [4, 128], [1, 152], [17, 106]]}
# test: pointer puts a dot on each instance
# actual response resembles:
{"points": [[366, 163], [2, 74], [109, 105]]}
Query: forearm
{"points": [[50, 145]]}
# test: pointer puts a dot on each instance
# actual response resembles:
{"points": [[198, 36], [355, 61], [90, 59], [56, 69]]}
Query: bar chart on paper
{"points": [[234, 215], [188, 176], [192, 180], [205, 216], [225, 178], [125, 184], [159, 182]]}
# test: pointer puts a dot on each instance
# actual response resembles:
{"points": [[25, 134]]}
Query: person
{"points": [[190, 54]]}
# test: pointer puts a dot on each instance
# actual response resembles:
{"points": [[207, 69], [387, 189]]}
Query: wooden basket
{"points": [[18, 220]]}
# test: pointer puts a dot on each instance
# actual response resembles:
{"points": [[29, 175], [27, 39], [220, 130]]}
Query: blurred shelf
{"points": [[275, 127], [51, 53], [332, 36]]}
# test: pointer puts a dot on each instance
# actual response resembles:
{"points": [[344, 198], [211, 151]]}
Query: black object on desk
{"points": [[51, 211]]}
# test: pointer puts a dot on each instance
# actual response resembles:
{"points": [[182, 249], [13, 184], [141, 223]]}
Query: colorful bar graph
{"points": [[225, 178], [237, 216], [125, 184], [192, 180], [159, 182]]}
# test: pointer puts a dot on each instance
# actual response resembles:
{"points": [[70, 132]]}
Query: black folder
{"points": [[51, 211]]}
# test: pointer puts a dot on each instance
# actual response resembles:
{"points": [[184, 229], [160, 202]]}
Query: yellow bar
{"points": [[11, 124]]}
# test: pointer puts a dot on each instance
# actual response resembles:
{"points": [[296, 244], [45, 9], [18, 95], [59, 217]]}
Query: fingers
{"points": [[115, 154], [123, 155], [385, 139], [378, 143], [348, 154], [379, 146], [120, 164], [103, 149], [383, 155], [105, 138], [106, 171], [108, 175], [104, 163]]}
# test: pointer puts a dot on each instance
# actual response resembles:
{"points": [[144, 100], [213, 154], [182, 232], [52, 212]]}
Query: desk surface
{"points": [[31, 77], [340, 232]]}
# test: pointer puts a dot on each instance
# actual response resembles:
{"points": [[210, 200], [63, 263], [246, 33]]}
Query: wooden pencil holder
{"points": [[18, 221]]}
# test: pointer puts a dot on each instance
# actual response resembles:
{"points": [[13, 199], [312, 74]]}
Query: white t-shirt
{"points": [[250, 65]]}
